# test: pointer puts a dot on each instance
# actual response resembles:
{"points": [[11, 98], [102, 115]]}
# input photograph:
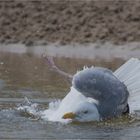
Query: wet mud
{"points": [[67, 21]]}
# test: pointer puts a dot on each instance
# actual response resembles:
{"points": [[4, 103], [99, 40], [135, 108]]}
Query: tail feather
{"points": [[129, 74]]}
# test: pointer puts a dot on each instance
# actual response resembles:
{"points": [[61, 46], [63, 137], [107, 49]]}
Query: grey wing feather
{"points": [[102, 85]]}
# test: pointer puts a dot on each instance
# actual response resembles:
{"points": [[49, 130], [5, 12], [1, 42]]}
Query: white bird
{"points": [[98, 94]]}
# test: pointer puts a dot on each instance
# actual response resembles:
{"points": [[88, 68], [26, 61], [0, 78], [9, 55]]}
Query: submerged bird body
{"points": [[101, 85]]}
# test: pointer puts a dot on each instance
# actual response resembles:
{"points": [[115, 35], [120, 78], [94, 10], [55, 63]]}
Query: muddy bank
{"points": [[67, 21]]}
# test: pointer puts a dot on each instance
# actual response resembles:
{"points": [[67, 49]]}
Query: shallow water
{"points": [[14, 125], [23, 72]]}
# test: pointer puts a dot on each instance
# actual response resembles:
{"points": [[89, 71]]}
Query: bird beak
{"points": [[69, 115]]}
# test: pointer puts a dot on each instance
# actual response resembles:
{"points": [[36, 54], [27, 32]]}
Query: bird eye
{"points": [[85, 112]]}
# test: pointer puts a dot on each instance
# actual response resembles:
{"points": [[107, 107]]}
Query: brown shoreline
{"points": [[68, 21]]}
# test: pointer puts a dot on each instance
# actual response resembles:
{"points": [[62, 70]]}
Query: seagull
{"points": [[98, 94]]}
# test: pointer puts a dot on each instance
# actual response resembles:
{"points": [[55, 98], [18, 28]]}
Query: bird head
{"points": [[83, 112]]}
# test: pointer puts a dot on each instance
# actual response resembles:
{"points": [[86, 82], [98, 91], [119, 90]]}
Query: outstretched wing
{"points": [[129, 74]]}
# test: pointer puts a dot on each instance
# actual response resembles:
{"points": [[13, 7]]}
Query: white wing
{"points": [[129, 74]]}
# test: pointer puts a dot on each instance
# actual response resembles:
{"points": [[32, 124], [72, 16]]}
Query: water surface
{"points": [[24, 72]]}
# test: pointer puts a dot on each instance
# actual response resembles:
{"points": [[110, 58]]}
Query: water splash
{"points": [[55, 110], [29, 109], [33, 110]]}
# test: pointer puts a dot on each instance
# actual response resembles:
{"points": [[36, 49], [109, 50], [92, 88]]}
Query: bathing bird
{"points": [[97, 93]]}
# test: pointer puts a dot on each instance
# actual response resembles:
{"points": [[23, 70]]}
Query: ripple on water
{"points": [[22, 124]]}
